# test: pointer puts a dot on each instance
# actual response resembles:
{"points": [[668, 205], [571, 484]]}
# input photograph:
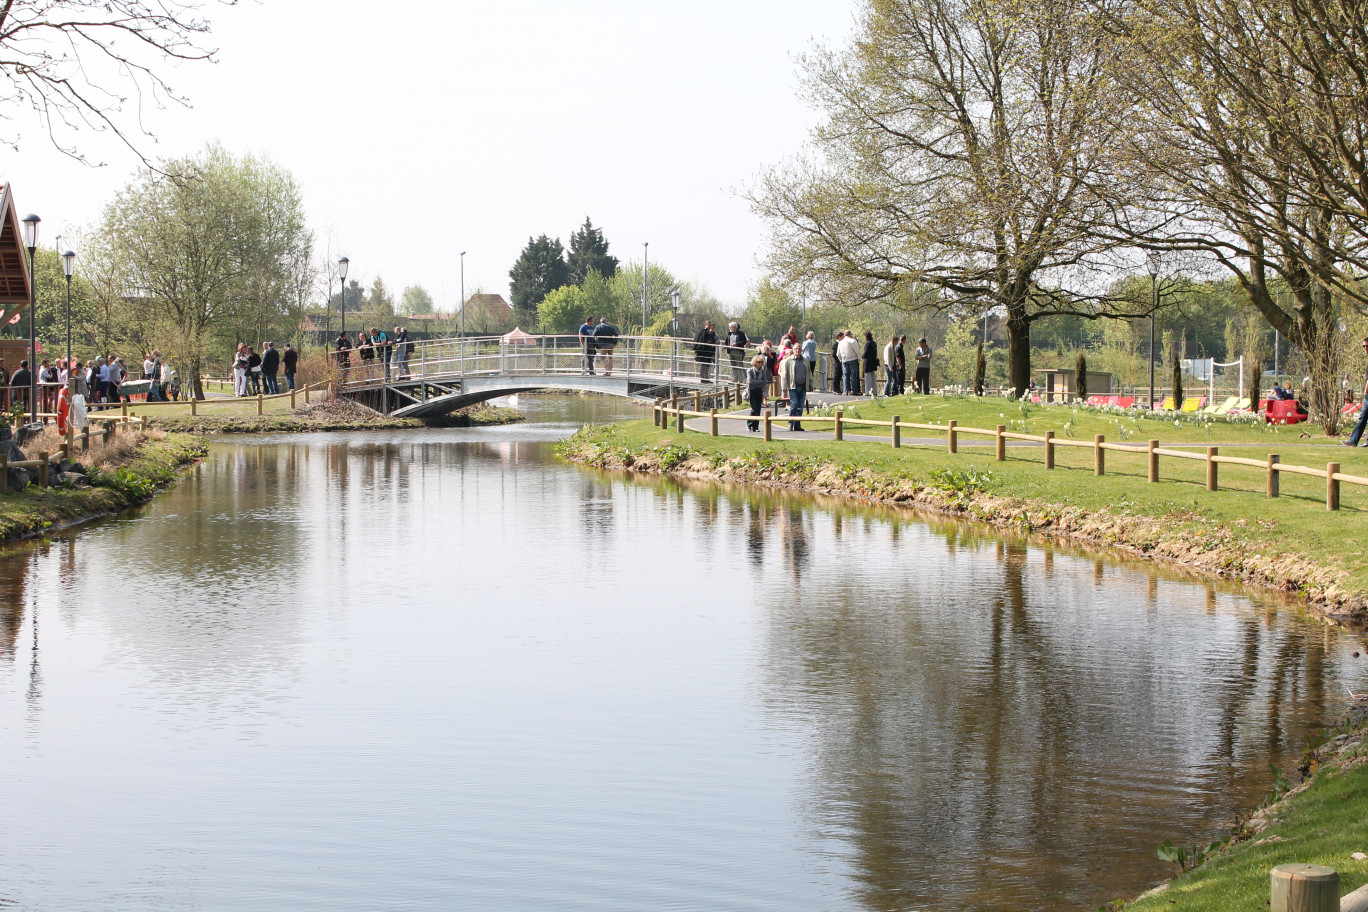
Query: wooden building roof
{"points": [[14, 267]]}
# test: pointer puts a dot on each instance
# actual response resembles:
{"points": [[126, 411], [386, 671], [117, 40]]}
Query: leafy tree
{"points": [[540, 270], [377, 309], [589, 253], [355, 297], [958, 354], [966, 150], [416, 300], [51, 296], [563, 310], [770, 311], [201, 246], [75, 63], [660, 282], [605, 298]]}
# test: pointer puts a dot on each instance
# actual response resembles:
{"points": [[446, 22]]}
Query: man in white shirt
{"points": [[849, 353], [890, 383], [922, 379]]}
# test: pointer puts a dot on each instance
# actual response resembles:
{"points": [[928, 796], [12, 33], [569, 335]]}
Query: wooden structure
{"points": [[15, 280], [1061, 384]]}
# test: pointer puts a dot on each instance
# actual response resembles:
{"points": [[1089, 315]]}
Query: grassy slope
{"points": [[34, 510], [1297, 523]]}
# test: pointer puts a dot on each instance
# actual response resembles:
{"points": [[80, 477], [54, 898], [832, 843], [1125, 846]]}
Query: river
{"points": [[441, 670]]}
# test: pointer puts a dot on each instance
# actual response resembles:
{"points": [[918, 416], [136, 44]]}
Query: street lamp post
{"points": [[69, 268], [674, 310], [31, 242], [342, 265], [463, 299], [645, 250]]}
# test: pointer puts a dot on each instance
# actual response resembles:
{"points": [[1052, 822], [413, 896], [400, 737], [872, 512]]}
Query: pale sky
{"points": [[439, 127]]}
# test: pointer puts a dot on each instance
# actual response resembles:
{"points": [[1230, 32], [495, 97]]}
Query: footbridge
{"points": [[442, 375]]}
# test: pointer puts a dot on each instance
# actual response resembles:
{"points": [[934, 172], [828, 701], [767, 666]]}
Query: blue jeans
{"points": [[289, 380], [797, 399], [269, 381], [851, 369], [1362, 422], [757, 402]]}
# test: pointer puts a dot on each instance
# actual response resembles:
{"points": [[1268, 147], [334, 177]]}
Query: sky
{"points": [[421, 130]]}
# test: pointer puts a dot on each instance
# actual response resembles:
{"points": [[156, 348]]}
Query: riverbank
{"points": [[122, 479], [1319, 821], [340, 415], [1291, 545]]}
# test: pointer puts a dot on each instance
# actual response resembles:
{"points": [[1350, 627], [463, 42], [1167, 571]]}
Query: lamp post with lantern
{"points": [[342, 266], [69, 269], [31, 242]]}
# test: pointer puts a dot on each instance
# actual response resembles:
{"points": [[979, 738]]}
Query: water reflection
{"points": [[441, 670]]}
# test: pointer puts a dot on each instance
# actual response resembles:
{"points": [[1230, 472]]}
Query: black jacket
{"points": [[291, 359], [270, 361], [703, 345], [871, 356]]}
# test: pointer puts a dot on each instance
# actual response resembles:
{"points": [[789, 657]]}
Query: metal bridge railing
{"points": [[663, 361]]}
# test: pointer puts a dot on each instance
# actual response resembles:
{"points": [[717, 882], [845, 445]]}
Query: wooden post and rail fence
{"points": [[259, 400], [1311, 888], [663, 410], [65, 450]]}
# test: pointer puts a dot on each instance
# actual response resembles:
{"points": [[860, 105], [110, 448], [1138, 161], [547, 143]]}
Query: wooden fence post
{"points": [[1153, 461], [840, 431], [306, 395], [85, 439], [259, 401], [1331, 486], [698, 401], [953, 442], [712, 421], [658, 413], [765, 420], [108, 433], [679, 421], [1304, 888], [1211, 466], [124, 407], [1001, 443], [43, 468], [194, 406], [1273, 478], [292, 398], [1099, 455], [897, 433], [1049, 449], [726, 396]]}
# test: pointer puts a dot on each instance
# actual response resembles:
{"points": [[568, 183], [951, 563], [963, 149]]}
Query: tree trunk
{"points": [[980, 369], [1081, 377], [1177, 381], [1018, 355], [1316, 331]]}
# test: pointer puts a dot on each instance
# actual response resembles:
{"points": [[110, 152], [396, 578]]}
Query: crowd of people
{"points": [[390, 351], [259, 374], [101, 379]]}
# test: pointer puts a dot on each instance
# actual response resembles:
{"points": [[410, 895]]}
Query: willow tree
{"points": [[200, 247], [967, 147], [1252, 126]]}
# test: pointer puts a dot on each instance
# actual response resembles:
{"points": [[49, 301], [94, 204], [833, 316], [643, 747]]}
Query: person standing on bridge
{"points": [[737, 341], [402, 349], [705, 350], [605, 340], [343, 352], [586, 340], [382, 348]]}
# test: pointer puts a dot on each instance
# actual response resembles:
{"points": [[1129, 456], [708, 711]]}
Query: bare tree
{"points": [[967, 160], [94, 64]]}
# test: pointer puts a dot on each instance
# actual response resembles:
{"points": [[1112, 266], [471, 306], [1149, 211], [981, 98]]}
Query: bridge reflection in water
{"points": [[443, 375]]}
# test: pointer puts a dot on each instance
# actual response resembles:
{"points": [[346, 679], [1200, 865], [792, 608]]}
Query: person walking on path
{"points": [[737, 342], [810, 354], [586, 339], [793, 376], [705, 350], [291, 361], [1357, 433], [605, 340], [890, 374], [757, 382], [870, 357], [850, 363], [837, 374], [922, 380], [270, 367]]}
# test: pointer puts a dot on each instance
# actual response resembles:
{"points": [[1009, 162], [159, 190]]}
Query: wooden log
{"points": [[1049, 449], [897, 433], [1356, 901], [1211, 464], [1332, 486], [1001, 443], [43, 468], [712, 421], [194, 407], [1304, 888], [765, 420], [840, 430], [1153, 461], [1273, 476], [292, 399], [953, 442]]}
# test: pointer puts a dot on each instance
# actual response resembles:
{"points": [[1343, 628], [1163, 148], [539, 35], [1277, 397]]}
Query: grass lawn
{"points": [[1295, 523]]}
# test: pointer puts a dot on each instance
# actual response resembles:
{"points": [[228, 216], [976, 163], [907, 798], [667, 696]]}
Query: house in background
{"points": [[485, 315]]}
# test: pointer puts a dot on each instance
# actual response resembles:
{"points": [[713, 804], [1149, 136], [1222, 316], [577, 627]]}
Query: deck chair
{"points": [[1194, 403], [1168, 404]]}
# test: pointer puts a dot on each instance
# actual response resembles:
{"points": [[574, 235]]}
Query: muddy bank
{"points": [[1186, 540]]}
